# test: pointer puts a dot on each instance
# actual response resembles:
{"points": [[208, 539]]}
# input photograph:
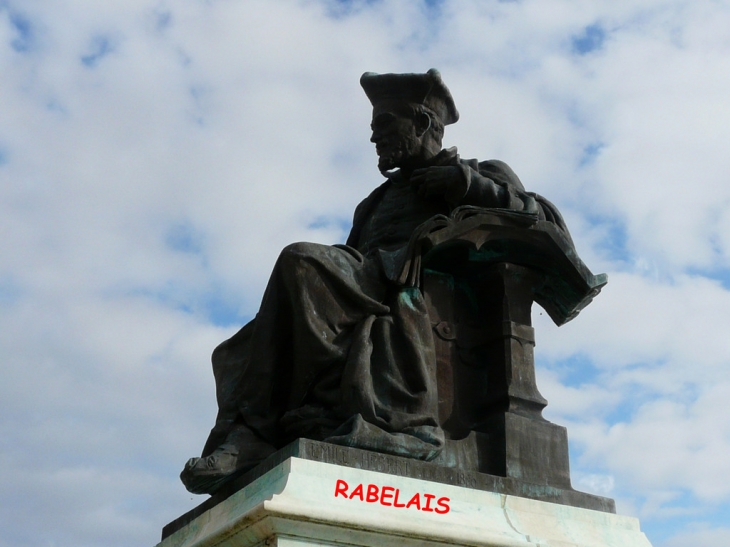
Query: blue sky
{"points": [[155, 156]]}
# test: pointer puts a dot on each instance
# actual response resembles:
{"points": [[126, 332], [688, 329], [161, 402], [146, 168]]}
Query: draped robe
{"points": [[342, 349]]}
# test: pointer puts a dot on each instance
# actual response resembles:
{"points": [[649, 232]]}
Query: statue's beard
{"points": [[394, 153]]}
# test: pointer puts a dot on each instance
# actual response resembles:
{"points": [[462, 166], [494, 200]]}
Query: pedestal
{"points": [[305, 503]]}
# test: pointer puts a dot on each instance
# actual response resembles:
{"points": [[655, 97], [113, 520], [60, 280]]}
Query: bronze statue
{"points": [[344, 348]]}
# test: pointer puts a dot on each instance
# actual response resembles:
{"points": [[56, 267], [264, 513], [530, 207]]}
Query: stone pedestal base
{"points": [[304, 503], [528, 449]]}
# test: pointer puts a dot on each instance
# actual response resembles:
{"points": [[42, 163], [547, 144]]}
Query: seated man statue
{"points": [[342, 348]]}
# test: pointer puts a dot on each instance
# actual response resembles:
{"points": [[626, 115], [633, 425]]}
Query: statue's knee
{"points": [[298, 249], [295, 254], [294, 251]]}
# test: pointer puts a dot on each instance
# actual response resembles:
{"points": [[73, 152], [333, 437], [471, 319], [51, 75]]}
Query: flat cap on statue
{"points": [[426, 89]]}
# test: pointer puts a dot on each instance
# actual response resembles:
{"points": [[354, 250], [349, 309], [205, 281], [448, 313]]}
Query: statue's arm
{"points": [[492, 183], [489, 184]]}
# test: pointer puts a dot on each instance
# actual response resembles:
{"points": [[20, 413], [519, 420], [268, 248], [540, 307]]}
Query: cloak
{"points": [[342, 348]]}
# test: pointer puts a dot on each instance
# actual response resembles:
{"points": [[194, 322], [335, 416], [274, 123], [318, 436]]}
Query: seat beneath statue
{"points": [[480, 272]]}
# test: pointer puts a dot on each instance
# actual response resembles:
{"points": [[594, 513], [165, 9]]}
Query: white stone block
{"points": [[304, 503]]}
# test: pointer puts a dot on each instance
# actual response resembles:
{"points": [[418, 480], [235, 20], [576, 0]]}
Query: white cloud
{"points": [[665, 445], [243, 127], [700, 535]]}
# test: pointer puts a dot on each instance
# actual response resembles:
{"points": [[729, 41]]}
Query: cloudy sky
{"points": [[155, 155]]}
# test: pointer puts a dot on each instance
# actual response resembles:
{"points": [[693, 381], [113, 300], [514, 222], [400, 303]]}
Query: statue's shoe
{"points": [[241, 451]]}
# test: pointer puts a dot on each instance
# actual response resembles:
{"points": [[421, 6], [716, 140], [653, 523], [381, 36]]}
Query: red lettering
{"points": [[395, 501], [428, 497], [443, 502], [386, 492], [415, 500], [357, 492], [372, 496], [341, 488]]}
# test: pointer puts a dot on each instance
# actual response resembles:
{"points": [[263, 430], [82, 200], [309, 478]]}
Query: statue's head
{"points": [[409, 114]]}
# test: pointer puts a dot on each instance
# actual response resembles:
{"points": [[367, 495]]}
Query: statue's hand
{"points": [[436, 181]]}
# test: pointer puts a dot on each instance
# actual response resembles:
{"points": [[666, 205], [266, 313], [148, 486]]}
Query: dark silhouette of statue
{"points": [[414, 336]]}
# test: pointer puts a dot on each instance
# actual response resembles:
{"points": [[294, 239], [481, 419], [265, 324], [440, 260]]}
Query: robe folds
{"points": [[342, 347]]}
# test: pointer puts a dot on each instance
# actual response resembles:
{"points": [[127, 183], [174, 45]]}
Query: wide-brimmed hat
{"points": [[426, 89]]}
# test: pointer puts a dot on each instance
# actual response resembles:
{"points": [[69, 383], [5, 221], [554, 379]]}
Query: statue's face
{"points": [[396, 138]]}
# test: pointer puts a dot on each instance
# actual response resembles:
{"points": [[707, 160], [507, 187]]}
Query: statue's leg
{"points": [[231, 446], [328, 310], [241, 450], [389, 382], [361, 356], [229, 361], [316, 296]]}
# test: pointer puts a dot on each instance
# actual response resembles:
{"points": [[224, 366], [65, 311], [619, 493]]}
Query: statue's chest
{"points": [[394, 219]]}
